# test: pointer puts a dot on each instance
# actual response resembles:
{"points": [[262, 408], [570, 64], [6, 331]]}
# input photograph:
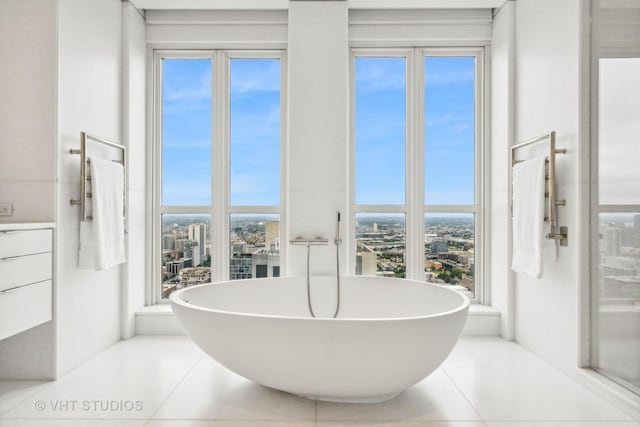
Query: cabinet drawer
{"points": [[24, 270], [25, 307], [25, 242]]}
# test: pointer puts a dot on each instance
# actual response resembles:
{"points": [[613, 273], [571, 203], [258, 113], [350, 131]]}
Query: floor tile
{"points": [[212, 392], [434, 398], [227, 423], [401, 424], [504, 381], [14, 392], [43, 422], [128, 380], [563, 424]]}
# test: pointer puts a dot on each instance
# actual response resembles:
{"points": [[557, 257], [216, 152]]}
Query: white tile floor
{"points": [[167, 381]]}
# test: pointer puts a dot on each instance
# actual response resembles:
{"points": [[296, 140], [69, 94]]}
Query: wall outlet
{"points": [[6, 209]]}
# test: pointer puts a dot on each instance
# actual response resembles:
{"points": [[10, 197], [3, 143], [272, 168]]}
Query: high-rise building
{"points": [[613, 237], [366, 263], [168, 242], [199, 232], [180, 244], [192, 250], [272, 236], [439, 246]]}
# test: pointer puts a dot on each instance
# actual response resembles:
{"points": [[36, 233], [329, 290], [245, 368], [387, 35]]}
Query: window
{"points": [[218, 163], [615, 224], [416, 155]]}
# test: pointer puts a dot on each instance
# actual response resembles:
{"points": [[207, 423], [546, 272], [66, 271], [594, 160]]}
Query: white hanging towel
{"points": [[102, 239], [528, 216]]}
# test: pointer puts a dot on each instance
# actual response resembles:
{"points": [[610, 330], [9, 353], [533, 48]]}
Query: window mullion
{"points": [[415, 168], [219, 186]]}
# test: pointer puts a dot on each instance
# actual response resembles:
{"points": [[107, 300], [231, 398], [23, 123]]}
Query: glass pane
{"points": [[255, 132], [380, 122], [449, 250], [618, 293], [380, 244], [186, 132], [619, 131], [255, 246], [449, 130], [186, 251]]}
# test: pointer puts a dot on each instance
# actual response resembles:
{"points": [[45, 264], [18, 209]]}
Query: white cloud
{"points": [[436, 79], [264, 77]]}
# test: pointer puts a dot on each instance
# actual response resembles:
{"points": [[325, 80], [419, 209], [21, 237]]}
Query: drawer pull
{"points": [[9, 232], [11, 258], [8, 291]]}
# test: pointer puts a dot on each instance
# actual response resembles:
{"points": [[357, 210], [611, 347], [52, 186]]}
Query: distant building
{"points": [[439, 246], [195, 276], [174, 267], [265, 264], [613, 241], [192, 250], [240, 266], [168, 242], [366, 263], [272, 236], [180, 244], [618, 266], [198, 232]]}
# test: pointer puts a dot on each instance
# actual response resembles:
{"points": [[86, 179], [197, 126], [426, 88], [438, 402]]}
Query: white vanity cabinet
{"points": [[26, 273]]}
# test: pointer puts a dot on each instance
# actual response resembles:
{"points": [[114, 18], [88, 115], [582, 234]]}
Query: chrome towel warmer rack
{"points": [[85, 178], [555, 232]]}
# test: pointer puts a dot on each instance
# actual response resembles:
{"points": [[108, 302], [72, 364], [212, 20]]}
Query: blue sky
{"points": [[380, 131]]}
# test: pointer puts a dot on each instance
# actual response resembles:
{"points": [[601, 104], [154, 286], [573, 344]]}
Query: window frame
{"points": [[415, 207], [220, 208]]}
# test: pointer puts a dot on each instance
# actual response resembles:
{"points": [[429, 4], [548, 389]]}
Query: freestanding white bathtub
{"points": [[389, 334]]}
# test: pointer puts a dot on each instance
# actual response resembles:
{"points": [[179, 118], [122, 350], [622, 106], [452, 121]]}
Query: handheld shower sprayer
{"points": [[338, 240]]}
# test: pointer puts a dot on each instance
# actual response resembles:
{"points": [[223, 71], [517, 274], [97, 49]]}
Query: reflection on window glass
{"points": [[619, 296], [380, 130], [255, 246], [380, 244], [186, 132], [449, 130], [255, 132], [449, 250], [186, 251], [619, 131]]}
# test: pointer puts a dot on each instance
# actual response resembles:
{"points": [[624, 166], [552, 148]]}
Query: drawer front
{"points": [[24, 270], [24, 308], [25, 242]]}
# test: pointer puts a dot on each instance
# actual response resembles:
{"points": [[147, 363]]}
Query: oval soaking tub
{"points": [[389, 333]]}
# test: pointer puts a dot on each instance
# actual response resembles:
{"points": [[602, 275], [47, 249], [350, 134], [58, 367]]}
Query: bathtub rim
{"points": [[174, 298]]}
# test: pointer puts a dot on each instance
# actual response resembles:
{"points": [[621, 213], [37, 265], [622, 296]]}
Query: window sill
{"points": [[159, 320]]}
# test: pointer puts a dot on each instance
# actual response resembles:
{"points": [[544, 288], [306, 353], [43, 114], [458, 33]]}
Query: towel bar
{"points": [[555, 232], [84, 175]]}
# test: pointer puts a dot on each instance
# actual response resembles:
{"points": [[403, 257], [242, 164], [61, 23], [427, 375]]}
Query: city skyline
{"points": [[252, 256]]}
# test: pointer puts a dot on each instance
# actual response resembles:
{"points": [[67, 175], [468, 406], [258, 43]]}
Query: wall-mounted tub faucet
{"points": [[321, 241]]}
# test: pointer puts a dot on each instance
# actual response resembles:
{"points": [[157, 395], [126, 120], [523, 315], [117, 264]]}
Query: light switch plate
{"points": [[6, 209]]}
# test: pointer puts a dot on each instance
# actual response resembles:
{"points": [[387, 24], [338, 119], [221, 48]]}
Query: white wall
{"points": [[318, 125], [89, 99], [502, 129], [548, 82], [134, 137], [27, 153], [27, 109]]}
